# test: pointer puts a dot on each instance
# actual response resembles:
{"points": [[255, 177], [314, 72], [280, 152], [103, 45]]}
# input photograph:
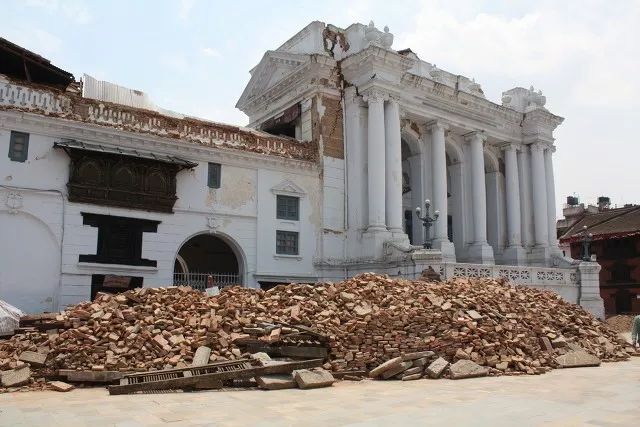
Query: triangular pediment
{"points": [[274, 67], [289, 188]]}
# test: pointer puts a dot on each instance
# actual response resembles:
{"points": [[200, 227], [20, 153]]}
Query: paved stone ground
{"points": [[606, 396]]}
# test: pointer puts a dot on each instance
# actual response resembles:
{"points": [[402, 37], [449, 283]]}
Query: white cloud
{"points": [[75, 10], [210, 52], [592, 50], [185, 8]]}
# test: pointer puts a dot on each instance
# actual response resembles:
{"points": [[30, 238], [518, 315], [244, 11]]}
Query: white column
{"points": [[417, 198], [551, 196], [540, 213], [512, 189], [439, 181], [479, 251], [479, 191], [393, 168], [355, 159], [376, 161], [514, 252], [524, 170]]}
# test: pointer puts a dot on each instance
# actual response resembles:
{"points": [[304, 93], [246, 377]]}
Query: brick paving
{"points": [[604, 396]]}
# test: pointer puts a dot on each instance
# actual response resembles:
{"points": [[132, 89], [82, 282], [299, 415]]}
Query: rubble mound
{"points": [[368, 320], [621, 322]]}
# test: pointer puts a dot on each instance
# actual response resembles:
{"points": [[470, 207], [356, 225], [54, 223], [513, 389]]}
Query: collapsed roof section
{"points": [[29, 82], [19, 63]]}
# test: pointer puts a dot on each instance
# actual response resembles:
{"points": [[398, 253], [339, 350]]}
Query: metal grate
{"points": [[198, 281]]}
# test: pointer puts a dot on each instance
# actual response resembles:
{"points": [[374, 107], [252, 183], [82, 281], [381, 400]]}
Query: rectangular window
{"points": [[286, 242], [287, 208], [18, 146], [214, 175], [119, 239]]}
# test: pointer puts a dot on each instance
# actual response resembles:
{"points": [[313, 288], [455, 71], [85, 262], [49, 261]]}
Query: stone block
{"points": [[502, 366], [546, 343], [411, 377], [276, 382], [420, 362], [33, 358], [201, 357], [317, 378], [474, 314], [417, 355], [91, 376], [412, 371], [15, 377], [61, 386], [467, 369], [389, 364], [577, 359], [403, 366], [436, 368]]}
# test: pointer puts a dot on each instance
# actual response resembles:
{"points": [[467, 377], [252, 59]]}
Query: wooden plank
{"points": [[303, 352]]}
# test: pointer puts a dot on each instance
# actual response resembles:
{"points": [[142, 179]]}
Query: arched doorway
{"points": [[207, 255]]}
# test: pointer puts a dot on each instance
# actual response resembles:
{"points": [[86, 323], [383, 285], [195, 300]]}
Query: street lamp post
{"points": [[427, 221], [586, 244]]}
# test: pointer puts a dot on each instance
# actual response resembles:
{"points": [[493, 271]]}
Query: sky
{"points": [[194, 57]]}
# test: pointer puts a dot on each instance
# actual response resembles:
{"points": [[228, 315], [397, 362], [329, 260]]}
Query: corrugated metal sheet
{"points": [[101, 90]]}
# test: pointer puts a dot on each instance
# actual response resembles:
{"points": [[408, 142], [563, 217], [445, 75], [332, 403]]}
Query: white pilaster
{"points": [[376, 161], [514, 252], [479, 251], [551, 198], [393, 169], [439, 179]]}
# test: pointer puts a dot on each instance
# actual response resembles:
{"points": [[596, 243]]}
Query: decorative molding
{"points": [[14, 202], [289, 188], [57, 128], [213, 223]]}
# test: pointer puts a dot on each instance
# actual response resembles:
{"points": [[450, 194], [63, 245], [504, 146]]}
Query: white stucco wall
{"points": [[34, 235]]}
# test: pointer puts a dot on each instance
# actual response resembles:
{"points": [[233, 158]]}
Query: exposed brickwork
{"points": [[328, 126], [22, 96]]}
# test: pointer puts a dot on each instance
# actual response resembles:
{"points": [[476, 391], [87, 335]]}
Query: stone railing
{"points": [[55, 103], [524, 275]]}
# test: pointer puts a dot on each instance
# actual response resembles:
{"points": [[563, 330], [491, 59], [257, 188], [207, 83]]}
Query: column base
{"points": [[515, 255], [447, 248], [540, 255], [373, 242], [481, 253], [594, 305], [399, 236]]}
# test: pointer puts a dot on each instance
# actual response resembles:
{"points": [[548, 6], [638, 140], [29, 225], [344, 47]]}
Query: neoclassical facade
{"points": [[411, 132], [106, 191]]}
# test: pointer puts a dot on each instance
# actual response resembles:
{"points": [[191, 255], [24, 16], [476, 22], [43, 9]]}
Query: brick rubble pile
{"points": [[369, 319]]}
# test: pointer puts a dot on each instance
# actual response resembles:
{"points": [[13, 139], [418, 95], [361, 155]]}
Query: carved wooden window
{"points": [[19, 146], [213, 180], [119, 239], [125, 181]]}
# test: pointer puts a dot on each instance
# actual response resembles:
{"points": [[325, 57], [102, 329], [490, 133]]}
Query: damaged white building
{"points": [[102, 190]]}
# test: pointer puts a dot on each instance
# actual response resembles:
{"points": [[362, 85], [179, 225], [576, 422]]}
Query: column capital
{"points": [[436, 124], [510, 146], [475, 135], [539, 146], [374, 95]]}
